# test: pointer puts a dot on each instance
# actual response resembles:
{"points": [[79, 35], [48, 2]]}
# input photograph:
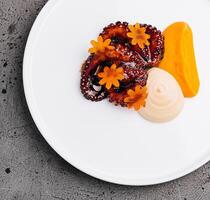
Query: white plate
{"points": [[108, 142]]}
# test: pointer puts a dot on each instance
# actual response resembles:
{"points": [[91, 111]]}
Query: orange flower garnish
{"points": [[100, 46], [136, 98], [138, 35], [111, 76]]}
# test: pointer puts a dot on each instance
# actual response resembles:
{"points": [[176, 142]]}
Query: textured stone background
{"points": [[29, 168]]}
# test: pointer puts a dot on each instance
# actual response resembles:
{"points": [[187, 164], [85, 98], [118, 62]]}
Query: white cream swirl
{"points": [[165, 98]]}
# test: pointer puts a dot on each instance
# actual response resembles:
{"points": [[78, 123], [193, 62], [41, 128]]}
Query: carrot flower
{"points": [[111, 76], [100, 45], [136, 98], [138, 35]]}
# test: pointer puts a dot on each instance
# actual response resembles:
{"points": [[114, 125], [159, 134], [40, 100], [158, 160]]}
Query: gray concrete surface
{"points": [[29, 168]]}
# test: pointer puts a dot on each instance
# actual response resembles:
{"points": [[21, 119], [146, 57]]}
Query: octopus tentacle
{"points": [[89, 86], [156, 44], [135, 73], [116, 32], [151, 54], [121, 52], [133, 76]]}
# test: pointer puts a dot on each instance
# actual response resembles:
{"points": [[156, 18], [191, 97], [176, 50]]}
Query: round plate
{"points": [[113, 143]]}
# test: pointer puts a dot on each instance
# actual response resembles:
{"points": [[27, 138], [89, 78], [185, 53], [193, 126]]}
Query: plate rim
{"points": [[37, 119]]}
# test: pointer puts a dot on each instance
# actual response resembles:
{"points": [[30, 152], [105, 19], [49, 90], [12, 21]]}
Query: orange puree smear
{"points": [[179, 57]]}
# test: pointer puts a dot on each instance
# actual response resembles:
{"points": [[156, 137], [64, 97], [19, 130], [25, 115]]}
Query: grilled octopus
{"points": [[134, 60]]}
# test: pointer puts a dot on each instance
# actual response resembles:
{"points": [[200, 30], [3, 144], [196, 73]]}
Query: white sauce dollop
{"points": [[165, 98]]}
